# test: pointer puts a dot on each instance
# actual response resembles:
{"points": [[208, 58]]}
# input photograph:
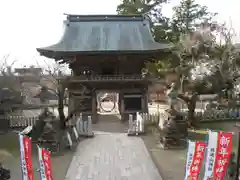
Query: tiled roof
{"points": [[104, 33]]}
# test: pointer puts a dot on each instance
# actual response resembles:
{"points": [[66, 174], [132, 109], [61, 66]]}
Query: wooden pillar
{"points": [[142, 103], [94, 107], [121, 105], [70, 103], [145, 103], [146, 100]]}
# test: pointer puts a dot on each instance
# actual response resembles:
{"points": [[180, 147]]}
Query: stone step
{"points": [[109, 117]]}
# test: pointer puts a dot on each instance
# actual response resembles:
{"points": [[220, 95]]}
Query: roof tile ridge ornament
{"points": [[66, 22], [102, 17], [146, 17]]}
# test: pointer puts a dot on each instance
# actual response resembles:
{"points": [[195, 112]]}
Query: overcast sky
{"points": [[27, 24]]}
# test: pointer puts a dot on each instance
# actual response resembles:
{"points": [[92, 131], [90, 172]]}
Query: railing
{"points": [[229, 114], [151, 120], [28, 78], [219, 115], [16, 121], [108, 78], [21, 121], [151, 117], [34, 106], [137, 121]]}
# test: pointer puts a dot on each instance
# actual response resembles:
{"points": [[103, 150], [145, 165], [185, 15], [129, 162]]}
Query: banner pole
{"points": [[186, 164], [238, 157], [20, 156]]}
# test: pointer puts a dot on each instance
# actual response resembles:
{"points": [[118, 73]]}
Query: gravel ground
{"points": [[170, 163]]}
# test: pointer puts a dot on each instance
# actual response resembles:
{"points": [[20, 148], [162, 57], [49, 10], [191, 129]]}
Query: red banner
{"points": [[223, 153], [45, 164], [197, 160], [26, 157]]}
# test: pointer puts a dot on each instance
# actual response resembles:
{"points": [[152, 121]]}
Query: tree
{"points": [[57, 75], [223, 63], [202, 60], [208, 60], [192, 51], [9, 85], [10, 95], [152, 9], [188, 16], [50, 84], [190, 47]]}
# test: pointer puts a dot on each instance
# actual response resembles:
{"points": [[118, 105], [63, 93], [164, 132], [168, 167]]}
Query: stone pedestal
{"points": [[136, 126], [84, 126]]}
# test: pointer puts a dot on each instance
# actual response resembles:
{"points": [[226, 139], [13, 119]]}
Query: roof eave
{"points": [[57, 55]]}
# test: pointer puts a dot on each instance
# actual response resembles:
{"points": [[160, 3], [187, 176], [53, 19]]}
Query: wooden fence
{"points": [[151, 117], [16, 121], [227, 114], [21, 121], [160, 118], [208, 116], [219, 115], [224, 115]]}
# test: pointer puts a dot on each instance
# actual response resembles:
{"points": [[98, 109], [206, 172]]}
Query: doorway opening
{"points": [[132, 102], [108, 107], [107, 102]]}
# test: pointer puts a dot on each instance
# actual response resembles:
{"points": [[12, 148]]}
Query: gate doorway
{"points": [[109, 116], [107, 102]]}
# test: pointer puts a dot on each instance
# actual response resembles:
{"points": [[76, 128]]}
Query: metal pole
{"points": [[238, 158]]}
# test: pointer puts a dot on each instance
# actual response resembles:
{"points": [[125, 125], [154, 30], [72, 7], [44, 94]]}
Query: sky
{"points": [[28, 24]]}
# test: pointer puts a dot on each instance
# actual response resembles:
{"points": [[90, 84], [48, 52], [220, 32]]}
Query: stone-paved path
{"points": [[112, 156]]}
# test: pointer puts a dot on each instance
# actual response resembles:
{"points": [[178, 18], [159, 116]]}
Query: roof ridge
{"points": [[81, 18]]}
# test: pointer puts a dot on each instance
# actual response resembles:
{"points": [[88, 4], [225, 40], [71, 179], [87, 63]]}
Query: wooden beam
{"points": [[81, 97], [132, 96]]}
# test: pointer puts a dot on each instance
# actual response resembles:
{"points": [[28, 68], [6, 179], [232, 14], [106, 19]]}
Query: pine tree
{"points": [[140, 7], [189, 15], [152, 8]]}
